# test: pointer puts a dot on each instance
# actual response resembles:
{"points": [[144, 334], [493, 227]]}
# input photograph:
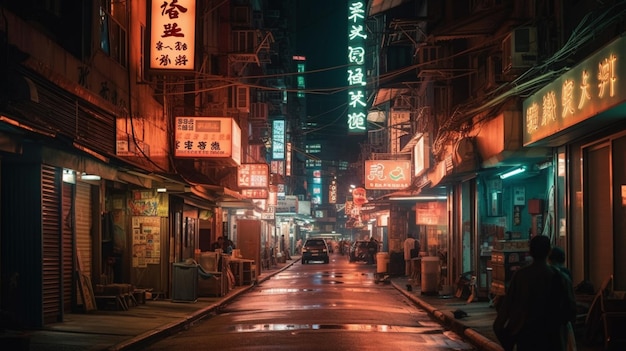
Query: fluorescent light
{"points": [[544, 165], [161, 190], [424, 198], [512, 172], [85, 176]]}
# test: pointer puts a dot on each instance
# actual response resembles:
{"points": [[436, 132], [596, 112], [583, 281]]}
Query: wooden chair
{"points": [[606, 318], [213, 285], [614, 321], [593, 319]]}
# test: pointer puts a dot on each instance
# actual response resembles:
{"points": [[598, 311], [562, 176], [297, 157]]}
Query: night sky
{"points": [[322, 37]]}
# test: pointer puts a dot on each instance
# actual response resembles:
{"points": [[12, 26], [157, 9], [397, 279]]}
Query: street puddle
{"points": [[381, 328]]}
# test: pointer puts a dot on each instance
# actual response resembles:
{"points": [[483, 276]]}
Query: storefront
{"points": [[496, 194], [582, 116]]}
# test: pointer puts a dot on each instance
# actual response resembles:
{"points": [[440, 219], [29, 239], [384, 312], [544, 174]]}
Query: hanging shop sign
{"points": [[421, 155], [208, 137], [587, 90], [288, 160], [332, 192], [430, 213], [387, 174], [278, 139], [172, 31], [253, 175], [278, 167], [288, 205], [254, 193]]}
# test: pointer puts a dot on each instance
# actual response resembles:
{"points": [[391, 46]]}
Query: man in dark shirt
{"points": [[538, 304]]}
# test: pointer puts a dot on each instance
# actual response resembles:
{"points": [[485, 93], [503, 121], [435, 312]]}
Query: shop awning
{"points": [[204, 187], [378, 6], [386, 94]]}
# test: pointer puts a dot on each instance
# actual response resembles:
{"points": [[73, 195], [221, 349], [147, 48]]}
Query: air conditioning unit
{"points": [[259, 111], [239, 98], [519, 49]]}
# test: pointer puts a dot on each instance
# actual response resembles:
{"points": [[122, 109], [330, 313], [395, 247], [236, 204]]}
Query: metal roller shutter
{"points": [[83, 220], [51, 237]]}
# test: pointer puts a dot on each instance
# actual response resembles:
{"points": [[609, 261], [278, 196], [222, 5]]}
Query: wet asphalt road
{"points": [[317, 306]]}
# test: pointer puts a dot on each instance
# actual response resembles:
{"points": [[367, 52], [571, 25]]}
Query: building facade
{"points": [[477, 109], [104, 177]]}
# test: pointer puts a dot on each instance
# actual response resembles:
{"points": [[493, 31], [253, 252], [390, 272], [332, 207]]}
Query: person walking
{"points": [[409, 244], [557, 260], [537, 305], [372, 249]]}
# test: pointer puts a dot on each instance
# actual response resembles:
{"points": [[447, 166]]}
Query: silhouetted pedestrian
{"points": [[537, 306]]}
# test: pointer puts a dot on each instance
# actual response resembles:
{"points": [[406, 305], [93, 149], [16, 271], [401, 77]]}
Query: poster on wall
{"points": [[143, 203], [146, 240]]}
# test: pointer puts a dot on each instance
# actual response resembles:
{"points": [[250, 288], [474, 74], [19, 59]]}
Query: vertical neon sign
{"points": [[356, 67]]}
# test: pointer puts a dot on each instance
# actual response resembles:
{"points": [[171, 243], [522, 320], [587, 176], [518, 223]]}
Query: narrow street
{"points": [[336, 306]]}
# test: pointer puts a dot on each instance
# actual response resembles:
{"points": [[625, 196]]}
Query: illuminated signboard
{"points": [[332, 192], [387, 174], [255, 193], [172, 35], [421, 155], [595, 85], [278, 167], [278, 139], [253, 175], [207, 137], [315, 187], [356, 74], [431, 213], [288, 160], [288, 205]]}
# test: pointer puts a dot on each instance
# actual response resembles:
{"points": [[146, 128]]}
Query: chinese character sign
{"points": [[587, 90], [356, 73], [207, 137], [278, 139], [253, 175], [387, 174], [332, 192], [172, 35]]}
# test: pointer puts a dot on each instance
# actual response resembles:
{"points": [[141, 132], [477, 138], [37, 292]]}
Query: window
{"points": [[241, 15], [113, 38], [244, 41]]}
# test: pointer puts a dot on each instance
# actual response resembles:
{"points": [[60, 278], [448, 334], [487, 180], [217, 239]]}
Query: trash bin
{"points": [[184, 282], [382, 261], [430, 275], [396, 264]]}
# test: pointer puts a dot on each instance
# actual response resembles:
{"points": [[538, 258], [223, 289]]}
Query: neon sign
{"points": [[172, 35], [588, 89], [356, 77]]}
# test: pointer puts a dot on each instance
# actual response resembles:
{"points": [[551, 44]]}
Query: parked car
{"points": [[315, 249], [358, 251]]}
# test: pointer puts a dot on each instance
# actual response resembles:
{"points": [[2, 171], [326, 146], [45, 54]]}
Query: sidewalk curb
{"points": [[480, 341], [140, 340]]}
